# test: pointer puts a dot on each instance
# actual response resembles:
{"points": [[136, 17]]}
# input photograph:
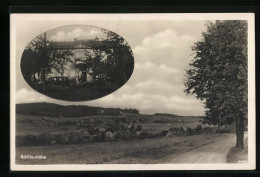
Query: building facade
{"points": [[74, 69]]}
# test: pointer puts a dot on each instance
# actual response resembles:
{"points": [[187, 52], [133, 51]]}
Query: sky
{"points": [[80, 32], [162, 53]]}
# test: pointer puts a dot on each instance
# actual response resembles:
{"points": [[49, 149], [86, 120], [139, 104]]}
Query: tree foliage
{"points": [[120, 58], [218, 73], [95, 62], [59, 58], [40, 58], [114, 58]]}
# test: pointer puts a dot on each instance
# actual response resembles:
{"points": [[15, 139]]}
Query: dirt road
{"points": [[212, 153]]}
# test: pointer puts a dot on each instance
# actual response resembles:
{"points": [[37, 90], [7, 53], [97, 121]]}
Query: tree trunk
{"points": [[240, 132]]}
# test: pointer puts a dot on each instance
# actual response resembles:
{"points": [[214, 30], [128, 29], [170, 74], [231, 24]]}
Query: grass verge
{"points": [[237, 155]]}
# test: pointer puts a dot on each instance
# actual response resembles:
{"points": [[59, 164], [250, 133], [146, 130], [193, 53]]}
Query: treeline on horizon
{"points": [[55, 110], [173, 115]]}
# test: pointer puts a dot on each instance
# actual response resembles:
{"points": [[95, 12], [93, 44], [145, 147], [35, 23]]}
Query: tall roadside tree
{"points": [[218, 74]]}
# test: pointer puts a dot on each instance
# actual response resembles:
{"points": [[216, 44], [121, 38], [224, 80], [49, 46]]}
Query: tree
{"points": [[36, 58], [95, 62], [218, 74], [30, 67], [40, 58], [114, 58], [120, 60], [59, 59]]}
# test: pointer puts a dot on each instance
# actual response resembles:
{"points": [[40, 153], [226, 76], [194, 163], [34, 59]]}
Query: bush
{"points": [[145, 134], [139, 128], [118, 135], [112, 128], [223, 130], [63, 139], [197, 130], [92, 130], [181, 129], [189, 131], [131, 128], [209, 130], [163, 133], [177, 131]]}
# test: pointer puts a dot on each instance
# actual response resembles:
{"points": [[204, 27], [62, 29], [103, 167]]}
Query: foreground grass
{"points": [[236, 155], [124, 152]]}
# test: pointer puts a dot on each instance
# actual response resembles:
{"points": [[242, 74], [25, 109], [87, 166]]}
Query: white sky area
{"points": [[75, 32], [162, 53]]}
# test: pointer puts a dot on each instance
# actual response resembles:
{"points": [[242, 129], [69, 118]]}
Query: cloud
{"points": [[78, 33], [28, 96], [166, 47], [157, 83]]}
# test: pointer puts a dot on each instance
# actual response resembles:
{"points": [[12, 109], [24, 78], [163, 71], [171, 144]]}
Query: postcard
{"points": [[158, 91]]}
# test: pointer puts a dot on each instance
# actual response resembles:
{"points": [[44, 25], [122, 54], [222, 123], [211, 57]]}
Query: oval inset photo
{"points": [[77, 63]]}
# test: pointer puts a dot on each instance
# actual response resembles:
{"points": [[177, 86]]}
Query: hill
{"points": [[55, 110], [166, 115]]}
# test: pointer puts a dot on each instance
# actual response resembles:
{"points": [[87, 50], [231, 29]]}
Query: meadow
{"points": [[119, 152], [117, 136]]}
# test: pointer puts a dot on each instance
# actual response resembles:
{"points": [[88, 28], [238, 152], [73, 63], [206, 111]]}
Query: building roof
{"points": [[76, 43]]}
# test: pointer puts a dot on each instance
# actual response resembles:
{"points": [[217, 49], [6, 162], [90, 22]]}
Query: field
{"points": [[106, 135], [133, 151], [24, 124]]}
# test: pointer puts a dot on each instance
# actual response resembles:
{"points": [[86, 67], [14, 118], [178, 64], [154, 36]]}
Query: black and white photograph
{"points": [[132, 91], [77, 63]]}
